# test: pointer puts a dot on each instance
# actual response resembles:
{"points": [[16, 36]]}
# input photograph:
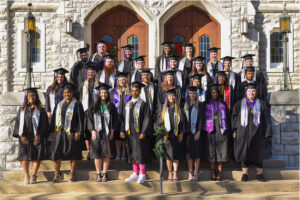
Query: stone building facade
{"points": [[57, 48]]}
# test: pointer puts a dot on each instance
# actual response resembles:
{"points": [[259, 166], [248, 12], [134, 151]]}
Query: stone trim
{"points": [[36, 7], [285, 98], [273, 8]]}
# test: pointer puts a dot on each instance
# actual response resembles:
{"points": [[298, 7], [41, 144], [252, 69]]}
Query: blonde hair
{"points": [[119, 90], [177, 110]]}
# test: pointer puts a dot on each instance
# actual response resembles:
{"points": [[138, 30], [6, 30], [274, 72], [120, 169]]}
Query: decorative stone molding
{"points": [[278, 8], [36, 7]]}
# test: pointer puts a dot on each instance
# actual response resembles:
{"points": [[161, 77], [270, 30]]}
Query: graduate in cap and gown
{"points": [[31, 128], [173, 120], [107, 75], [161, 64], [102, 121], [136, 73], [138, 128], [67, 126], [233, 78], [78, 71], [193, 110], [120, 96], [248, 62], [217, 128], [251, 126], [179, 74], [168, 83], [213, 66], [261, 90], [88, 96], [98, 57], [186, 63], [200, 69], [127, 64]]}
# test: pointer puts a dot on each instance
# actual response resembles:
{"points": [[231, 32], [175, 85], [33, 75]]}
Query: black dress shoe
{"points": [[260, 177], [88, 157], [244, 177]]}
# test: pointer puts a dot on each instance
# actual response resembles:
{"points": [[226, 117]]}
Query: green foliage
{"points": [[158, 148]]}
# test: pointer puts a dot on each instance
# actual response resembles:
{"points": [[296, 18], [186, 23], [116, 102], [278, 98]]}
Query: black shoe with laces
{"points": [[260, 177], [244, 177]]}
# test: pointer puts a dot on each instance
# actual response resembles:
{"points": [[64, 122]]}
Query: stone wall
{"points": [[285, 113]]}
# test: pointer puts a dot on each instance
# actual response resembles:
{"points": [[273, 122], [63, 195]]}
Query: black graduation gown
{"points": [[187, 70], [154, 109], [99, 60], [128, 65], [237, 79], [30, 151], [232, 97], [107, 77], [158, 73], [78, 75], [261, 92], [58, 97], [121, 112], [161, 98], [64, 146], [249, 141], [99, 146], [137, 76], [138, 150], [218, 152], [174, 150], [195, 148]]}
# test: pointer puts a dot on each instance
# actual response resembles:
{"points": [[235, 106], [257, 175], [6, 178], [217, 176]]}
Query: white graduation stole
{"points": [[181, 64], [121, 66], [232, 79], [193, 120], [98, 122], [136, 113], [179, 78], [35, 121], [85, 96], [68, 116], [163, 64], [52, 101], [133, 76], [111, 79], [151, 93], [167, 122]]}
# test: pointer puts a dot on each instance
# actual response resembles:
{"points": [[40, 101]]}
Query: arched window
{"points": [[204, 42], [276, 48], [134, 41], [178, 40], [108, 39]]}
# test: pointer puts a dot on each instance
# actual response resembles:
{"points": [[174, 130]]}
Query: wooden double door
{"points": [[193, 25], [120, 26]]}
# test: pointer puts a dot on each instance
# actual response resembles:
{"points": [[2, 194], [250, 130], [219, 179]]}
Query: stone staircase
{"points": [[282, 183]]}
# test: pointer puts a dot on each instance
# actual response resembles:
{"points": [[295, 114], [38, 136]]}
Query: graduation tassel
{"points": [[25, 101]]}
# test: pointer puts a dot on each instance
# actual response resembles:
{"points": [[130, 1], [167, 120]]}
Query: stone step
{"points": [[152, 186], [156, 196], [118, 164], [88, 175]]}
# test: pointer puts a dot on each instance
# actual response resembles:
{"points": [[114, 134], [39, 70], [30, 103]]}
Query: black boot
{"points": [[260, 177], [244, 177]]}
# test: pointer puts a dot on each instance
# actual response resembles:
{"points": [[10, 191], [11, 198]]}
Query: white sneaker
{"points": [[132, 178], [142, 178]]}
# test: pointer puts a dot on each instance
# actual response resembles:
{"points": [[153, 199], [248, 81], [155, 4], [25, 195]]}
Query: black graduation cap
{"points": [[100, 42], [91, 67], [196, 76], [248, 56], [103, 86], [31, 90], [251, 85], [69, 86], [82, 50], [173, 57], [127, 47], [188, 45], [146, 70], [221, 73], [171, 91], [137, 84], [121, 74], [228, 58], [249, 69], [108, 56], [213, 86], [61, 71], [199, 58], [213, 49], [167, 44], [169, 72], [192, 88], [140, 58]]}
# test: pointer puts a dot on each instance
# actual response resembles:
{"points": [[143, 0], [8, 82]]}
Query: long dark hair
{"points": [[26, 104], [97, 104], [55, 86]]}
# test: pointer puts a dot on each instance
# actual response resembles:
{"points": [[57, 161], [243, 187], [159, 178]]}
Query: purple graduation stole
{"points": [[209, 116], [116, 99]]}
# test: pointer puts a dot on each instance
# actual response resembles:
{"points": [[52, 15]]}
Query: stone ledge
{"points": [[17, 98], [285, 98], [36, 7], [273, 8]]}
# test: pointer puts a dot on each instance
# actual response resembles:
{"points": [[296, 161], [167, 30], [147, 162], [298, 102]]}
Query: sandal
{"points": [[170, 179], [98, 178], [196, 176], [33, 179], [72, 177], [219, 177], [191, 177], [104, 177], [175, 176], [27, 179], [56, 177]]}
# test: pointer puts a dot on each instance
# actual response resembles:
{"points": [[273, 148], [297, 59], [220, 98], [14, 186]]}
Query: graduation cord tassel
{"points": [[70, 118]]}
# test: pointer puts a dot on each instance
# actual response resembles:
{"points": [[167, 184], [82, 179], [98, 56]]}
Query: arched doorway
{"points": [[193, 25], [118, 27]]}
